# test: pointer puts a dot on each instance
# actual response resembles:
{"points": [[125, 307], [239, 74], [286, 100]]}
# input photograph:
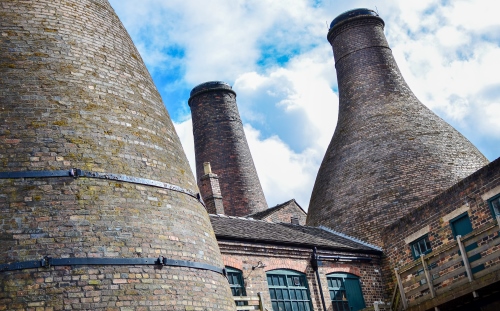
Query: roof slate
{"points": [[237, 228]]}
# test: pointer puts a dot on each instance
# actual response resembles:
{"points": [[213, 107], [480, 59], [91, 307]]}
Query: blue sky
{"points": [[276, 57]]}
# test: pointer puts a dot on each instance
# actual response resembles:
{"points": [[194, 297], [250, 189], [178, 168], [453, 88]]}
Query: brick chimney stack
{"points": [[219, 138], [211, 189], [389, 153]]}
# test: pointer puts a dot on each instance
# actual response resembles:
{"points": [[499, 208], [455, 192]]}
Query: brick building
{"points": [[277, 260], [388, 157], [466, 214], [99, 209], [290, 211]]}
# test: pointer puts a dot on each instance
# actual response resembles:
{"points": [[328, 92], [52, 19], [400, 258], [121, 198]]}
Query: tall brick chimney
{"points": [[219, 139], [74, 93], [389, 153]]}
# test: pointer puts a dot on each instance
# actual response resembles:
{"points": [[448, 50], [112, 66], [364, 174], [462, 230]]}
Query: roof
{"points": [[263, 214], [244, 229]]}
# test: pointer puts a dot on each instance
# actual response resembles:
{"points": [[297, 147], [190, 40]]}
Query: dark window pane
{"points": [[298, 294], [285, 294], [282, 281], [272, 292], [278, 294]]}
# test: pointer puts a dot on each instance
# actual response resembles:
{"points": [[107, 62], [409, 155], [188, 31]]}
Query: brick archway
{"points": [[291, 264], [230, 261], [340, 268]]}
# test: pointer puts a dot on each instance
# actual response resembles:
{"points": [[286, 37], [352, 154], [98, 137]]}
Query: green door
{"points": [[461, 225], [345, 292]]}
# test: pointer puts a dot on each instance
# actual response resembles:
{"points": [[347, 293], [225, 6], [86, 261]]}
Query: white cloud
{"points": [[283, 173], [447, 51], [185, 131]]}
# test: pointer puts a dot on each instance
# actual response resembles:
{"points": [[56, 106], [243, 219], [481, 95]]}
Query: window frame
{"points": [[240, 277], [416, 241], [343, 276], [290, 273], [492, 208]]}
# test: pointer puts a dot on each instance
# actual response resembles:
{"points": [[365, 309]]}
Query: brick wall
{"points": [[389, 153], [244, 255], [469, 195], [209, 186], [74, 92], [285, 212], [219, 138]]}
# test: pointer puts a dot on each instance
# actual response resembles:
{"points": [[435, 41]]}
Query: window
{"points": [[421, 246], [345, 292], [288, 290], [495, 205], [235, 278]]}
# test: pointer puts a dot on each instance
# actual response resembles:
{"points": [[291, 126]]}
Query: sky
{"points": [[276, 57]]}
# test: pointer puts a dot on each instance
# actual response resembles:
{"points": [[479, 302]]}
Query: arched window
{"points": [[288, 290], [345, 292], [235, 278]]}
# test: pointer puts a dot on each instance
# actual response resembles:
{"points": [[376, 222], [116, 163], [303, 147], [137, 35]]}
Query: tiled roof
{"points": [[243, 229], [269, 211]]}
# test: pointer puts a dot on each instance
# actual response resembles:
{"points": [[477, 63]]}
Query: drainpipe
{"points": [[314, 264]]}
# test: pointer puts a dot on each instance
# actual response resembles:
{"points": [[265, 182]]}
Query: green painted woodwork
{"points": [[461, 225], [345, 292], [494, 204], [421, 246], [288, 290], [235, 278]]}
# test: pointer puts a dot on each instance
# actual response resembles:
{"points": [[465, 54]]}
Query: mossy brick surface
{"points": [[74, 93]]}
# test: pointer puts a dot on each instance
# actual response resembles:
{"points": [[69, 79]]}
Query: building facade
{"points": [[279, 261]]}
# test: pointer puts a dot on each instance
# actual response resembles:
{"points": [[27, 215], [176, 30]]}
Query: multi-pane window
{"points": [[288, 290], [338, 295], [421, 246], [495, 205], [345, 292], [235, 278]]}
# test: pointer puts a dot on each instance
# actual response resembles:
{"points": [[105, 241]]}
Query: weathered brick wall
{"points": [[389, 153], [219, 139], [74, 92], [285, 214], [469, 195], [245, 255], [209, 186]]}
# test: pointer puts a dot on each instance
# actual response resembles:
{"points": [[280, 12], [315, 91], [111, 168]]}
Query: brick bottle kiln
{"points": [[219, 139], [98, 207], [389, 153]]}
